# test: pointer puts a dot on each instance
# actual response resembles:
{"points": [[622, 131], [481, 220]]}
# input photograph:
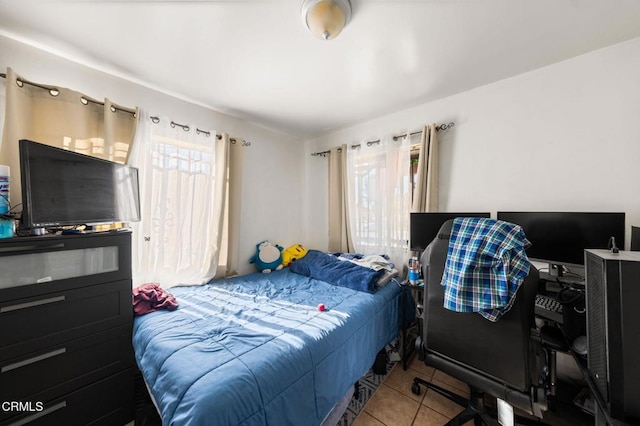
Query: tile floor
{"points": [[393, 403]]}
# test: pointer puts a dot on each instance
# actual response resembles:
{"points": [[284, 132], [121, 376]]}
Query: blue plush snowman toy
{"points": [[268, 257]]}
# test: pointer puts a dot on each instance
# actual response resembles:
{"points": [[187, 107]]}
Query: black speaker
{"points": [[613, 330]]}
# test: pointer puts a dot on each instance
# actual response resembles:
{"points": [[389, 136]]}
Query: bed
{"points": [[256, 350]]}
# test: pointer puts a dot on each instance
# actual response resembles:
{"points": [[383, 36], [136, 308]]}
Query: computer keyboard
{"points": [[549, 308]]}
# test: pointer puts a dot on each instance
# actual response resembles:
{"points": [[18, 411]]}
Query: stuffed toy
{"points": [[292, 253], [268, 257]]}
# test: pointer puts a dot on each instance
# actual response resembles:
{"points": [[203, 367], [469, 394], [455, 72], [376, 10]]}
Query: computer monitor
{"points": [[635, 238], [559, 238], [424, 227]]}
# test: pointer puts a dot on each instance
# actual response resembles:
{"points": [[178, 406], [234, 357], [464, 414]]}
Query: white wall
{"points": [[561, 138], [273, 173]]}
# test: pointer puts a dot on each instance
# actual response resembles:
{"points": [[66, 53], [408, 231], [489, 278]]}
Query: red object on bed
{"points": [[151, 297]]}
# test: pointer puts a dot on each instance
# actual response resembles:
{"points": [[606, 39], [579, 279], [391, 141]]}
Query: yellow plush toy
{"points": [[292, 253]]}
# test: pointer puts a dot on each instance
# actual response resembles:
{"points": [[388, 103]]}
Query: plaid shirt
{"points": [[486, 263]]}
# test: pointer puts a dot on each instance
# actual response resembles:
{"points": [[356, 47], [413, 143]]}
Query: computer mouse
{"points": [[580, 345]]}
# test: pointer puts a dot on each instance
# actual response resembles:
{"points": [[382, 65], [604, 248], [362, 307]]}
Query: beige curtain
{"points": [[227, 263], [425, 196], [234, 196], [65, 119], [220, 205], [340, 238]]}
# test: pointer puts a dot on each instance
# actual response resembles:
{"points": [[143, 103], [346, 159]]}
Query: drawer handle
{"points": [[35, 359], [42, 413], [31, 304], [34, 247]]}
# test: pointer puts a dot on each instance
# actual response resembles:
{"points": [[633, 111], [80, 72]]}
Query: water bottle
{"points": [[414, 270]]}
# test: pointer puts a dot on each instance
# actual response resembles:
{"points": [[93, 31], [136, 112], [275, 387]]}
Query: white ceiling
{"points": [[254, 59]]}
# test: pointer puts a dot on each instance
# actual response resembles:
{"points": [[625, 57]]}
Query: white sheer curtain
{"points": [[177, 242], [380, 198]]}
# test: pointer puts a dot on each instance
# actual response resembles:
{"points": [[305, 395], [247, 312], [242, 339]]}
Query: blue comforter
{"points": [[255, 350]]}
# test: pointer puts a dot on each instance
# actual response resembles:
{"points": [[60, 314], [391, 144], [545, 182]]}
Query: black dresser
{"points": [[65, 330]]}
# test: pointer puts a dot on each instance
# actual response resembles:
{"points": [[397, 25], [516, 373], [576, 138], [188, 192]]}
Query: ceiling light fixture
{"points": [[326, 18]]}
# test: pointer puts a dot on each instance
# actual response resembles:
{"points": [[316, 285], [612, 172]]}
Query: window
{"points": [[380, 198], [177, 238]]}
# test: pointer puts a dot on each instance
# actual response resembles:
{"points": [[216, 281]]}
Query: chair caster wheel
{"points": [[415, 388]]}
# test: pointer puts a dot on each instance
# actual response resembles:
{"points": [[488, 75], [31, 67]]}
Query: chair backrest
{"points": [[484, 353]]}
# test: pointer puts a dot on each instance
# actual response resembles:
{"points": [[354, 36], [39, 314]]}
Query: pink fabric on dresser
{"points": [[151, 297]]}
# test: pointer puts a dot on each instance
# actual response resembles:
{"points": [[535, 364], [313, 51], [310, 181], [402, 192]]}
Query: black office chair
{"points": [[501, 358]]}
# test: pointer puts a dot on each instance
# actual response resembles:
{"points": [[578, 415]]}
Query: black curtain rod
{"points": [[186, 128], [395, 138], [234, 140], [54, 91], [438, 128], [370, 143], [355, 146], [323, 153]]}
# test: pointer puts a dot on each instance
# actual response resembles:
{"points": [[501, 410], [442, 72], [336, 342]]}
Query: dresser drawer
{"points": [[107, 402], [69, 365], [61, 263], [35, 268], [31, 324]]}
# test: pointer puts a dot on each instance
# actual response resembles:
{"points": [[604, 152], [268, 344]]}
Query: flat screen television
{"points": [[559, 238], [61, 188], [424, 227]]}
